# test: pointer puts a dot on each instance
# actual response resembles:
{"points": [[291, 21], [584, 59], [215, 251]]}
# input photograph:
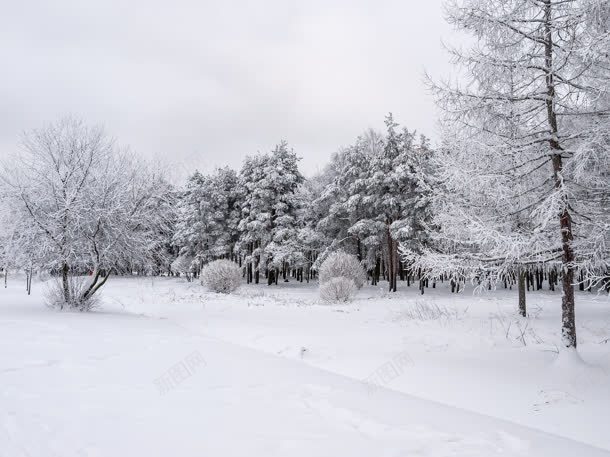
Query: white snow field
{"points": [[165, 368]]}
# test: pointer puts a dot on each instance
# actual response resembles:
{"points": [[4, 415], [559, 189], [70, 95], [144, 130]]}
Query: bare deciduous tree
{"points": [[82, 206]]}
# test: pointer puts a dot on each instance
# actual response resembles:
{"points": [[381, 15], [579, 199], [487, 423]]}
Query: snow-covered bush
{"points": [[339, 264], [75, 298], [221, 276], [183, 265], [338, 290]]}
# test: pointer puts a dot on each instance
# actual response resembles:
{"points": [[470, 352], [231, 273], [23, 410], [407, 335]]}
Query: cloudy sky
{"points": [[196, 83]]}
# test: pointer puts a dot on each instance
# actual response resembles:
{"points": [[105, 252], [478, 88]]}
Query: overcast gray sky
{"points": [[197, 83]]}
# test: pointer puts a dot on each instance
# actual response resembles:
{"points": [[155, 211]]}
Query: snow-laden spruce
{"points": [[342, 265], [374, 196], [270, 206], [221, 276], [206, 226], [338, 290]]}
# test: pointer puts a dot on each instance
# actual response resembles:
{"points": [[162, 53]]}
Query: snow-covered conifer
{"points": [[270, 204]]}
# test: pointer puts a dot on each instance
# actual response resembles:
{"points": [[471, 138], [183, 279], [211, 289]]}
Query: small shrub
{"points": [[222, 276], [77, 285], [339, 264], [183, 265], [338, 290], [424, 310]]}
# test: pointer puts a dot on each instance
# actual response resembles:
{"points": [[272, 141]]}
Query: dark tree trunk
{"points": [[392, 260], [568, 329], [99, 279], [377, 270], [29, 282], [521, 281], [65, 281]]}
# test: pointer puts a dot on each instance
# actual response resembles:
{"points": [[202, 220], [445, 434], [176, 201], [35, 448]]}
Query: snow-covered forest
{"points": [[489, 239]]}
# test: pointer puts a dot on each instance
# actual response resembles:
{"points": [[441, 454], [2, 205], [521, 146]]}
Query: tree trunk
{"points": [[521, 281], [65, 282], [395, 265], [95, 285], [568, 329], [377, 270], [392, 260], [29, 281]]}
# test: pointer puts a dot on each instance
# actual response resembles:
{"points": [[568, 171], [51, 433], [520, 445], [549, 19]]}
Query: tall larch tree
{"points": [[557, 53]]}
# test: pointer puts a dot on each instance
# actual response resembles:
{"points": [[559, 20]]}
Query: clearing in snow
{"points": [[166, 368]]}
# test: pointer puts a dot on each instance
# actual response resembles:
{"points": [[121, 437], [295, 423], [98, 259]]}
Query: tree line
{"points": [[370, 198]]}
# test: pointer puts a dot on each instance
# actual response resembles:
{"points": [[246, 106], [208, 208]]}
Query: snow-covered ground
{"points": [[166, 368]]}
